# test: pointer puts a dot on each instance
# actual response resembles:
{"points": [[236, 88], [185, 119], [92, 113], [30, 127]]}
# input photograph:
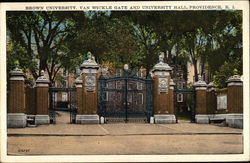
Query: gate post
{"points": [[200, 101], [78, 84], [211, 99], [235, 102], [16, 100], [88, 114], [30, 103], [42, 100], [163, 93]]}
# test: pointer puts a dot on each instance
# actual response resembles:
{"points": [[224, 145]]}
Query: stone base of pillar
{"points": [[152, 120], [235, 120], [87, 119], [164, 118], [232, 120], [202, 118], [102, 120], [16, 120], [42, 120]]}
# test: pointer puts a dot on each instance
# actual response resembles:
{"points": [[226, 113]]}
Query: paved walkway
{"points": [[121, 138]]}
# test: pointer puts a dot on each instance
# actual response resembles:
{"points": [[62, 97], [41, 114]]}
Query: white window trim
{"points": [[141, 95], [139, 85], [107, 96], [180, 95]]}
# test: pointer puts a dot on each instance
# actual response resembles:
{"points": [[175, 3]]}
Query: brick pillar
{"points": [[171, 97], [163, 93], [211, 99], [30, 99], [235, 102], [90, 93], [88, 114], [42, 100], [30, 103], [16, 100], [78, 84], [200, 102]]}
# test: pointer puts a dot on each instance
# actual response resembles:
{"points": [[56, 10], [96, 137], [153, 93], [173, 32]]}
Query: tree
{"points": [[42, 36], [145, 37], [227, 44], [109, 39], [54, 40]]}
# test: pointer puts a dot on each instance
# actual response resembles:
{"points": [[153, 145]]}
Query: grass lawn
{"points": [[183, 117]]}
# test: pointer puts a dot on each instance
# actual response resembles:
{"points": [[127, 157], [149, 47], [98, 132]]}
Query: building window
{"points": [[179, 97], [140, 98], [119, 97], [106, 96], [139, 85], [130, 98], [118, 85], [64, 96], [180, 85], [111, 85]]}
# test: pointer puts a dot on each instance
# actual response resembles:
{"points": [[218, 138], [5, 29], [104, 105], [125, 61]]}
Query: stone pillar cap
{"points": [[78, 80], [171, 83], [211, 85], [42, 78], [161, 66], [17, 72], [89, 63], [234, 78], [200, 83]]}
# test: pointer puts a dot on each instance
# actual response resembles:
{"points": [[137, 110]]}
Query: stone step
{"points": [[31, 125], [217, 120]]}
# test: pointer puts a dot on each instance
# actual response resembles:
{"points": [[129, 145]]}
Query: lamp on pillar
{"points": [[163, 92], [126, 67], [42, 102], [200, 101], [88, 112], [16, 100]]}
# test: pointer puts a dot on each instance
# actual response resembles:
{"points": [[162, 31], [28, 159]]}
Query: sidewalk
{"points": [[63, 127], [121, 138]]}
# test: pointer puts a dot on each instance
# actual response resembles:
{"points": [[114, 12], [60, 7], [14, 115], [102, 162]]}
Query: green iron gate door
{"points": [[68, 105], [125, 99]]}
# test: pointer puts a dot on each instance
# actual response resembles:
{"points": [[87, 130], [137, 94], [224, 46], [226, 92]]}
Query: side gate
{"points": [[184, 101], [125, 99], [58, 102]]}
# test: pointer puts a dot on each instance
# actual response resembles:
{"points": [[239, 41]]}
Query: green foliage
{"points": [[16, 54], [225, 71], [49, 41]]}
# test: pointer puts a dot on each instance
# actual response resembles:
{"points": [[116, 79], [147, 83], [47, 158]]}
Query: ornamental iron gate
{"points": [[125, 98], [62, 99], [184, 104]]}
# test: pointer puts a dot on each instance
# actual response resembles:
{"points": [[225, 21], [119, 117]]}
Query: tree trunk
{"points": [[195, 70]]}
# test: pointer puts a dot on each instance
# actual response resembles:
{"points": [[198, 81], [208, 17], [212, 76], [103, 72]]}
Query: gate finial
{"points": [[89, 62], [161, 57], [161, 65]]}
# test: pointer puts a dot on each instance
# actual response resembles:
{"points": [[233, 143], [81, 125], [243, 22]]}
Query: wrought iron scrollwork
{"points": [[121, 97]]}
